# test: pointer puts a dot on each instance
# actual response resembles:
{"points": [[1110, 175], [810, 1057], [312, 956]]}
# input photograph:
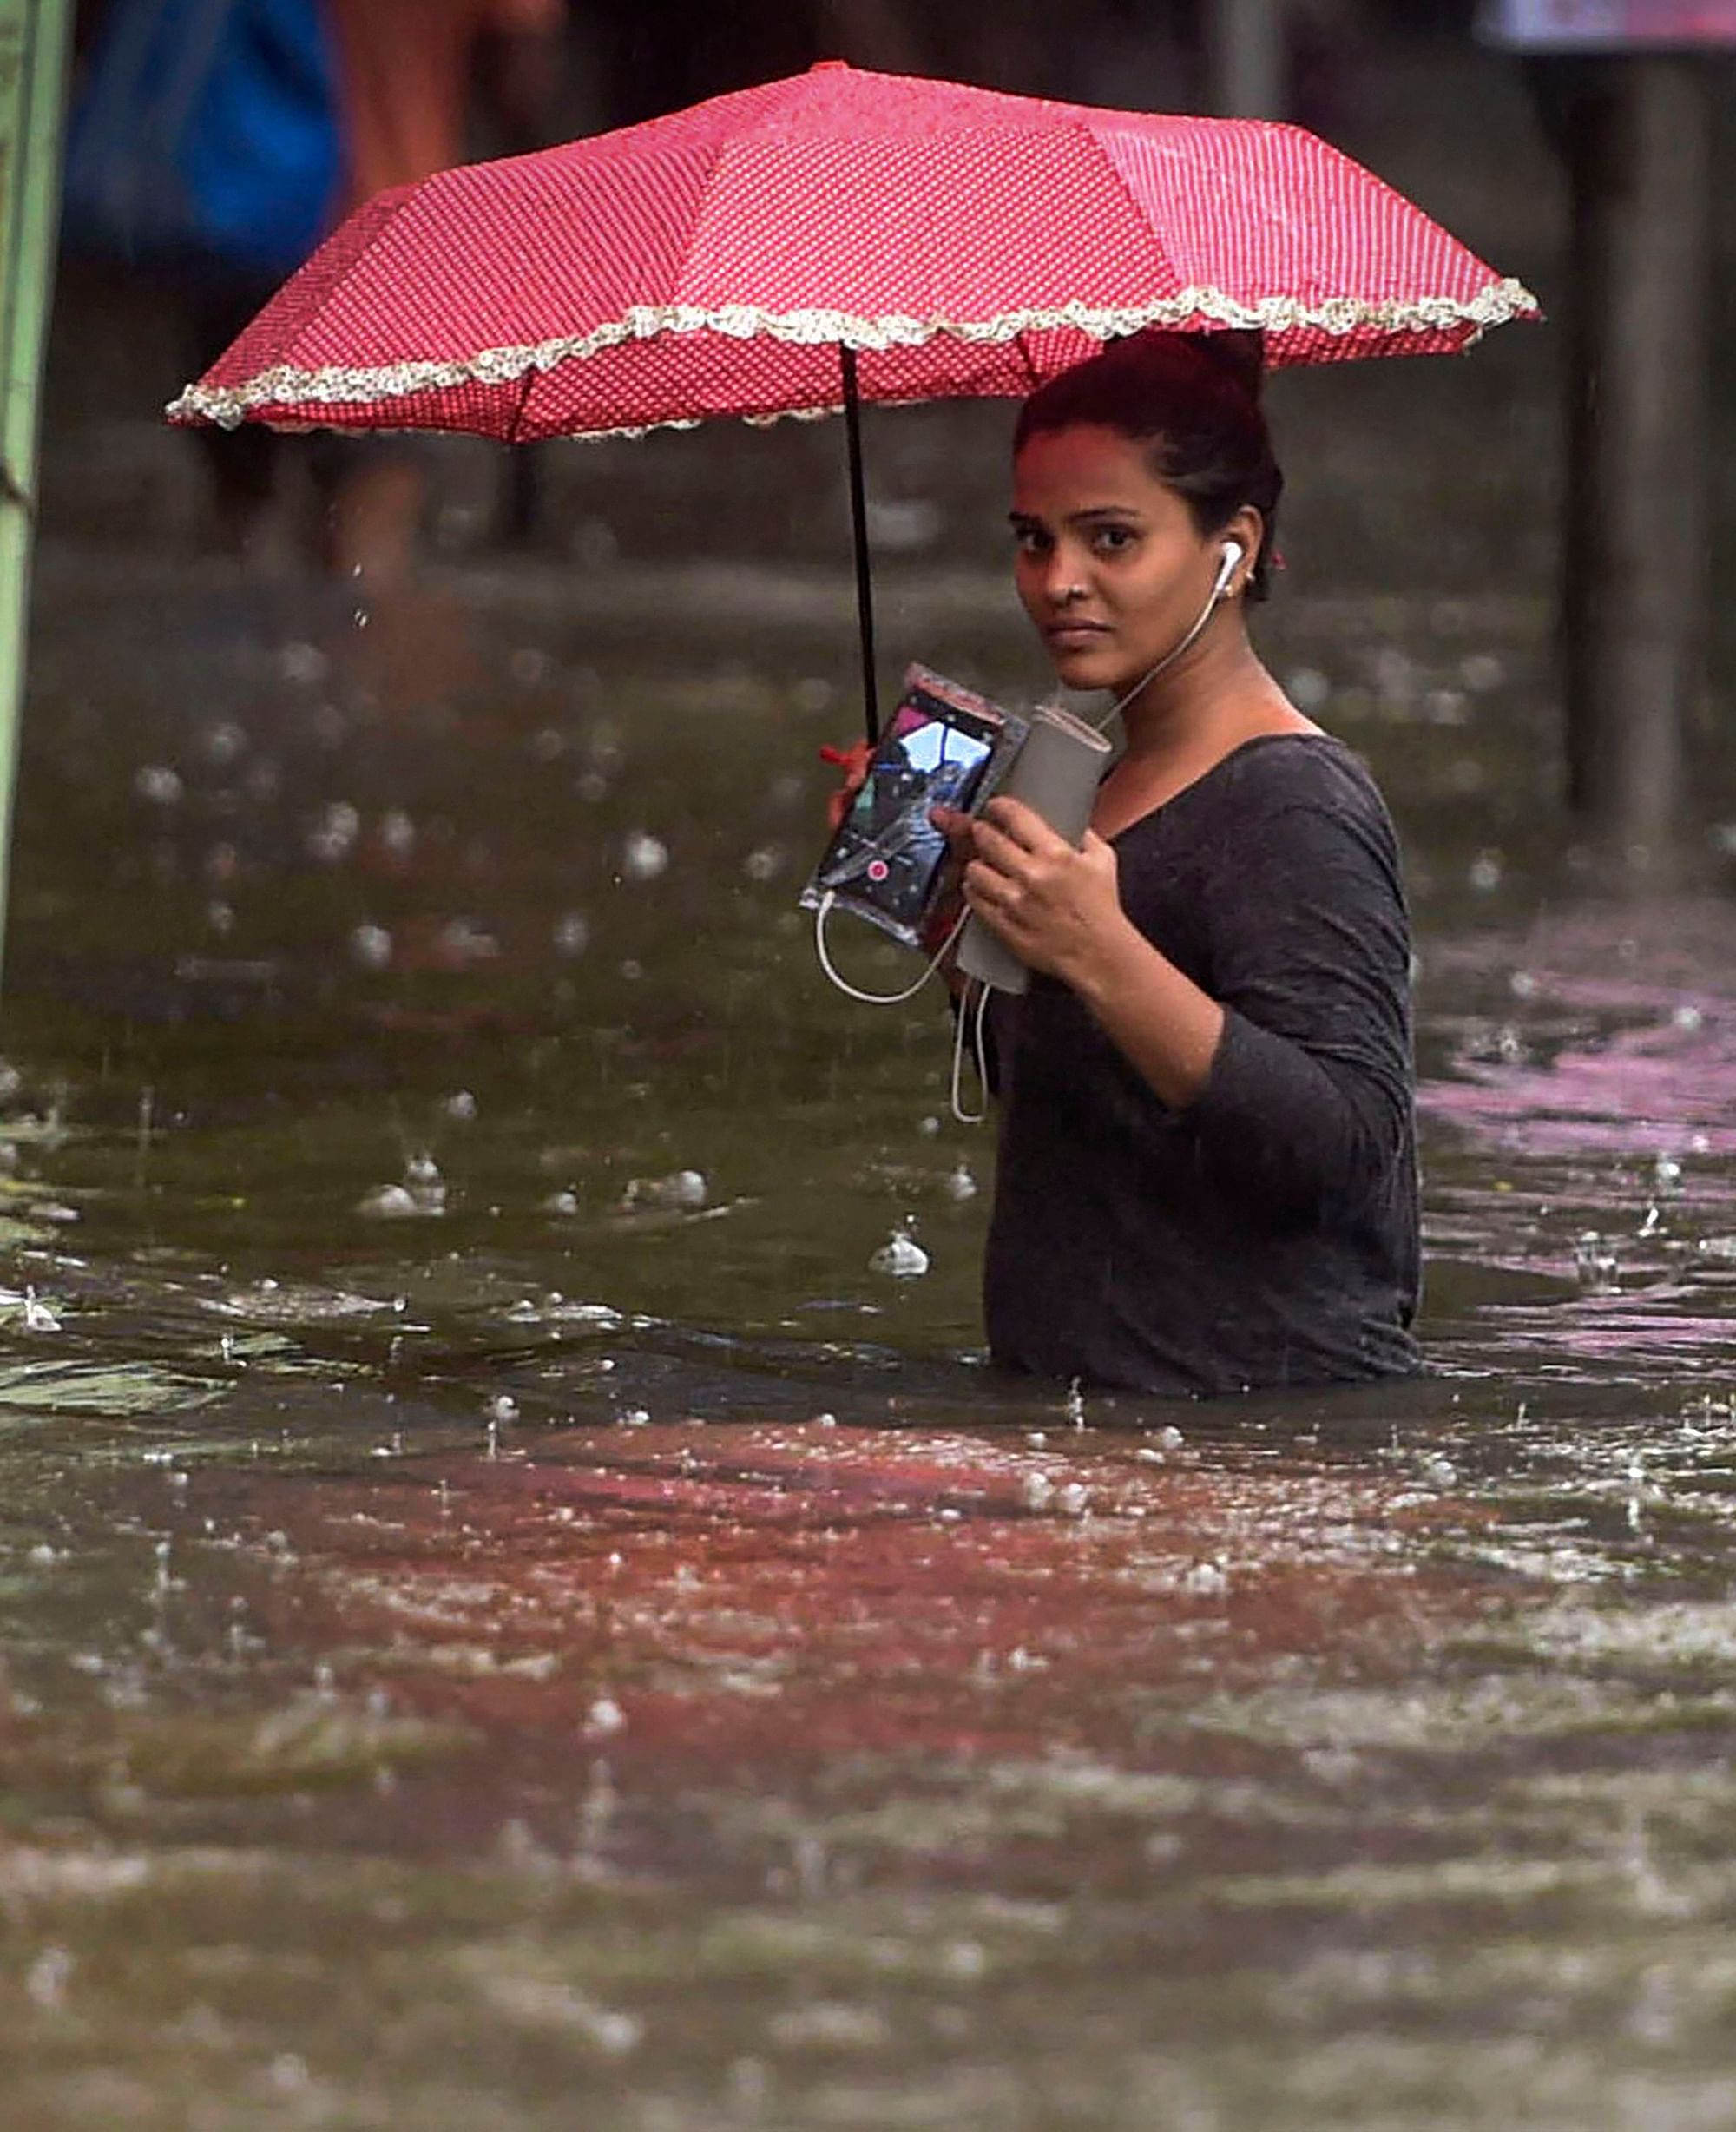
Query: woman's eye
{"points": [[1112, 540], [1030, 541]]}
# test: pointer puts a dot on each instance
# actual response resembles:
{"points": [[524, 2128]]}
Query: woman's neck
{"points": [[1187, 721]]}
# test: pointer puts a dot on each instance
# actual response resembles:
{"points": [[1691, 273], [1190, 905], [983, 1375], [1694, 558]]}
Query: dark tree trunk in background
{"points": [[1244, 58], [1637, 136]]}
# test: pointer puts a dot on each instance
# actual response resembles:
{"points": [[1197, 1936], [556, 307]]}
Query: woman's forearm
{"points": [[1162, 1023]]}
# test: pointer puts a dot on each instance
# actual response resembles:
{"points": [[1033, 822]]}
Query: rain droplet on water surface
{"points": [[572, 934], [225, 741], [643, 857], [331, 835], [1307, 689], [462, 941], [303, 662], [156, 782], [900, 1257], [684, 1191], [604, 1718], [371, 946], [39, 1318], [397, 833], [1593, 1261], [427, 1186], [529, 667]]}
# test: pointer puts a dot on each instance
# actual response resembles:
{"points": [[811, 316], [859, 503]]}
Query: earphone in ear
{"points": [[1234, 552]]}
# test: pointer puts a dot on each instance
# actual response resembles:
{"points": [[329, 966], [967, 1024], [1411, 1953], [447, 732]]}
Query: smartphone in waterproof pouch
{"points": [[944, 745]]}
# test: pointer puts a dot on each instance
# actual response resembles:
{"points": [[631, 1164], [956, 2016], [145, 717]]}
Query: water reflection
{"points": [[601, 1645]]}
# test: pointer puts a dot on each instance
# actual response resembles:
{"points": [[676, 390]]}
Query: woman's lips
{"points": [[1074, 635]]}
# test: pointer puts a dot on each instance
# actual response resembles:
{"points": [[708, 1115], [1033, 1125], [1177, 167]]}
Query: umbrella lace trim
{"points": [[286, 384]]}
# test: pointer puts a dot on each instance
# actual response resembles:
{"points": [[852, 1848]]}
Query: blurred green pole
{"points": [[35, 37]]}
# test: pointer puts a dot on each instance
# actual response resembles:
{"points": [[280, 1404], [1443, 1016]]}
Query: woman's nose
{"points": [[1062, 577]]}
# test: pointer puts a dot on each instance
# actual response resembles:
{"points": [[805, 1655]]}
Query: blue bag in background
{"points": [[206, 134]]}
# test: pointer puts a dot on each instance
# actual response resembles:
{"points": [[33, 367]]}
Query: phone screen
{"points": [[886, 852]]}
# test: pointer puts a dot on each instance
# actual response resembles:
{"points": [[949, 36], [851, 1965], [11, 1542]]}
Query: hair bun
{"points": [[1237, 353]]}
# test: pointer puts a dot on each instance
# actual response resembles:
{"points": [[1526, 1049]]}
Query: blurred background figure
{"points": [[408, 74], [213, 143], [204, 154]]}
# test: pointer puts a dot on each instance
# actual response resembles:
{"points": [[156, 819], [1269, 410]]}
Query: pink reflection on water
{"points": [[1663, 1084]]}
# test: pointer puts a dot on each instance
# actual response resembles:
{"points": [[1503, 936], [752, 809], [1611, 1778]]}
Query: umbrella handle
{"points": [[859, 522]]}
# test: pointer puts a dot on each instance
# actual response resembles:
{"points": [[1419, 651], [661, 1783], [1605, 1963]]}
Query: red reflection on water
{"points": [[740, 1592]]}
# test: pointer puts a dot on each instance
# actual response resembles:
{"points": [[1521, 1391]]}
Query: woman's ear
{"points": [[1248, 529]]}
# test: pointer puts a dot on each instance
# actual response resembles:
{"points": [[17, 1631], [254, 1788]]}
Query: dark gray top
{"points": [[1267, 1235]]}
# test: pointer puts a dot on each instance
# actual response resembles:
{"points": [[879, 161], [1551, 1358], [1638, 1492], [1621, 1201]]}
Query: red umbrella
{"points": [[789, 248]]}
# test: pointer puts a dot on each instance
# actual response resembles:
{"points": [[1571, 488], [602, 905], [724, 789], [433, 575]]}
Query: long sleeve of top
{"points": [[1266, 1234]]}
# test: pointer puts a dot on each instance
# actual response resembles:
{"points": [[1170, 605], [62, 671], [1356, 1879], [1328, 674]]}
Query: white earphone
{"points": [[1226, 569]]}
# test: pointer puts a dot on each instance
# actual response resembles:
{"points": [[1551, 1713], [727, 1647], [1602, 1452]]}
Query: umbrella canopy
{"points": [[961, 242]]}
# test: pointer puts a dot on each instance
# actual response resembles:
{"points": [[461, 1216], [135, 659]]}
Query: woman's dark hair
{"points": [[1194, 399]]}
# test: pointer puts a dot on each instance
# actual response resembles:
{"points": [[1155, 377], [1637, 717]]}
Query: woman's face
{"points": [[1111, 567]]}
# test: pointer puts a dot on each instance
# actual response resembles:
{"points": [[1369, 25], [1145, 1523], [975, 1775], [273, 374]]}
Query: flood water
{"points": [[507, 1621]]}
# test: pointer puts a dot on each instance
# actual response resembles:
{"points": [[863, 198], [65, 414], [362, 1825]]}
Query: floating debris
{"points": [[959, 1185]]}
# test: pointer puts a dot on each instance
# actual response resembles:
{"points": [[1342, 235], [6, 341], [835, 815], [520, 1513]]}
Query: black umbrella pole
{"points": [[859, 522]]}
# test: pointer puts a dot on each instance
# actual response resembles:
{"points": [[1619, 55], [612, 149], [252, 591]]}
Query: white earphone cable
{"points": [[1219, 592], [877, 999], [974, 1010]]}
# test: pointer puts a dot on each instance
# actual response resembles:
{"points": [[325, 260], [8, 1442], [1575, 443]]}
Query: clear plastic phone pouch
{"points": [[944, 745]]}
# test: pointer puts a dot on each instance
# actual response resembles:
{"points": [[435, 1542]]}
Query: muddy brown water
{"points": [[495, 1639]]}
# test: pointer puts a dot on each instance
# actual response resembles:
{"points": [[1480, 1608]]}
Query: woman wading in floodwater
{"points": [[1206, 1179]]}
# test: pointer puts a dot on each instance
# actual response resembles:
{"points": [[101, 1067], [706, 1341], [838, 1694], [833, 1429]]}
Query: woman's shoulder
{"points": [[1274, 771], [1291, 802]]}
